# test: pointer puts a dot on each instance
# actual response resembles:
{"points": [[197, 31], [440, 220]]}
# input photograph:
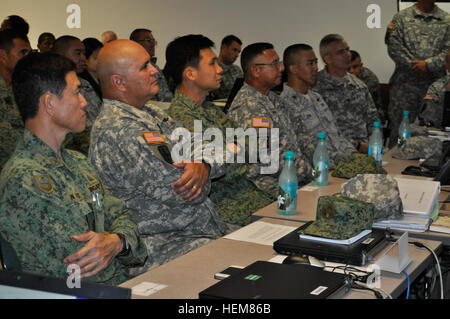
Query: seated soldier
{"points": [[229, 52], [370, 79], [308, 107], [54, 209], [258, 107], [13, 47], [347, 97], [145, 38], [196, 72], [131, 150]]}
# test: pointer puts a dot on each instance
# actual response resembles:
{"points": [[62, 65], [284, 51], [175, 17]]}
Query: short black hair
{"points": [[135, 33], [90, 45], [355, 55], [183, 52], [19, 24], [7, 37], [62, 44], [230, 39], [251, 51], [45, 35], [37, 74], [291, 52]]}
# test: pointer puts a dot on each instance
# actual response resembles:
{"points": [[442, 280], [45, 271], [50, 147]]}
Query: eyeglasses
{"points": [[274, 63], [148, 40]]}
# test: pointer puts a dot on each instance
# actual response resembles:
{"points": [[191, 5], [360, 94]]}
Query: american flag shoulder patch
{"points": [[154, 137], [261, 122]]}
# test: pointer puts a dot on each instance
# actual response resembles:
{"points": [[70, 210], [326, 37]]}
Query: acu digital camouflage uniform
{"points": [[229, 75], [340, 217], [433, 103], [164, 94], [134, 171], [351, 104], [312, 116], [249, 103], [235, 196], [418, 147], [414, 35], [11, 124], [378, 189], [44, 201], [373, 84], [80, 141]]}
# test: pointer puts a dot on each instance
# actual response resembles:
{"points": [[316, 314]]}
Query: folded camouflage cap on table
{"points": [[353, 164], [378, 189], [418, 147], [340, 217]]}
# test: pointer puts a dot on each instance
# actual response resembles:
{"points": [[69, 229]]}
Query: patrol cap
{"points": [[356, 163], [340, 217], [418, 147], [378, 189]]}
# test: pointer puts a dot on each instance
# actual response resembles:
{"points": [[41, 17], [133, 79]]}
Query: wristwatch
{"points": [[125, 245]]}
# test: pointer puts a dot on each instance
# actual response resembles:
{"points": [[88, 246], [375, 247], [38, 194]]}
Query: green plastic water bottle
{"points": [[288, 187]]}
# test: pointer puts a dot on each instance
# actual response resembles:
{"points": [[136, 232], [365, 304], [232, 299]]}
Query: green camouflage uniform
{"points": [[351, 104], [414, 35], [44, 201], [229, 75], [433, 102], [373, 84], [313, 116], [235, 197], [134, 170], [249, 103], [11, 124]]}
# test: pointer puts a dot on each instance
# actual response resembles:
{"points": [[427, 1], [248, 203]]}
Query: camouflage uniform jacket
{"points": [[373, 84], [11, 124], [44, 201], [229, 75], [133, 170], [433, 106], [349, 100], [414, 35], [235, 196], [313, 116], [250, 104], [164, 94], [94, 105]]}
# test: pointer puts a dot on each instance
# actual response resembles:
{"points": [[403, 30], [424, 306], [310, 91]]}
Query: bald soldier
{"points": [[54, 210], [131, 143]]}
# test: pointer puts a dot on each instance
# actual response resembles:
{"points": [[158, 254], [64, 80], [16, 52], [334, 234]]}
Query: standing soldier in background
{"points": [[417, 39]]}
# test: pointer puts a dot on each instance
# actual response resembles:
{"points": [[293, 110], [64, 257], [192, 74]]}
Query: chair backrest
{"points": [[8, 256], [238, 83]]}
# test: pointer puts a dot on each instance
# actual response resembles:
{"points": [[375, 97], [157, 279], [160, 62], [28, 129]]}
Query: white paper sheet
{"points": [[261, 233]]}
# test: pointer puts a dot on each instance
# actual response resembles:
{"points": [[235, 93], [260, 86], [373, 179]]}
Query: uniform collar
{"points": [[38, 147], [435, 13], [188, 102]]}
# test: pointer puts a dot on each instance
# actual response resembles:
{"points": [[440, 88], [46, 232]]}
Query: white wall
{"points": [[281, 22]]}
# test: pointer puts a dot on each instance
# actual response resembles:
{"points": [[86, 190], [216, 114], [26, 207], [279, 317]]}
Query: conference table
{"points": [[186, 276]]}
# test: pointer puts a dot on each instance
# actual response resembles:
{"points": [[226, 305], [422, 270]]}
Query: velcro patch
{"points": [[261, 122], [154, 137]]}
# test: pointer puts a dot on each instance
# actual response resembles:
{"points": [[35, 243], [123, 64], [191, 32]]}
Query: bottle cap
{"points": [[405, 113], [376, 124], [322, 135], [289, 155]]}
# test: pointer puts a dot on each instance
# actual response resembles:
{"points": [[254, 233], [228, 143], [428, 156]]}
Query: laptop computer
{"points": [[356, 254], [23, 285], [268, 280]]}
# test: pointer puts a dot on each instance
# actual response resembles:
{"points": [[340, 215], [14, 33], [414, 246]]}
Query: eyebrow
{"points": [[145, 65]]}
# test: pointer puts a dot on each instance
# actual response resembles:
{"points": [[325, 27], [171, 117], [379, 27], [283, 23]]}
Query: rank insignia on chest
{"points": [[261, 122], [154, 137], [44, 183]]}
